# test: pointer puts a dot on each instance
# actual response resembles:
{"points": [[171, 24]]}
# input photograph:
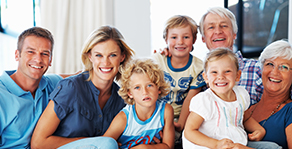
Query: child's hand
{"points": [[225, 144], [257, 135], [156, 140], [120, 144], [177, 126]]}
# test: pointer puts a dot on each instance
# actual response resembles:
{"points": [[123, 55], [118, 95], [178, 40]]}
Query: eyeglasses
{"points": [[283, 67]]}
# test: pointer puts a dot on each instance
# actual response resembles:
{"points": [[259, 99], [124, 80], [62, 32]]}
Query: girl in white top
{"points": [[217, 117]]}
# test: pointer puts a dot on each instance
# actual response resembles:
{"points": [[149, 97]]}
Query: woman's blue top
{"points": [[275, 126], [76, 105]]}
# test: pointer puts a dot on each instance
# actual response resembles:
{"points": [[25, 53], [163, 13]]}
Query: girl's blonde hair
{"points": [[148, 67], [219, 53], [103, 34]]}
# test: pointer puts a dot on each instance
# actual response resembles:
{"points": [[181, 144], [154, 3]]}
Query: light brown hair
{"points": [[180, 21]]}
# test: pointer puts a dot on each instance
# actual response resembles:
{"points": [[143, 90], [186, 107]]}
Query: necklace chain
{"points": [[273, 112]]}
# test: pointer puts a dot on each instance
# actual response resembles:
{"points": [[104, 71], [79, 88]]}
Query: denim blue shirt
{"points": [[19, 111], [76, 105]]}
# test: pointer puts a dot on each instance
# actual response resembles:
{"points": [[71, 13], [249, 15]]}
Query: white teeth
{"points": [[220, 39], [107, 70], [273, 80], [221, 84], [180, 48], [37, 67]]}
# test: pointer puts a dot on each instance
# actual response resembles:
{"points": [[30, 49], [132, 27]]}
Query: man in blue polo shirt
{"points": [[24, 92]]}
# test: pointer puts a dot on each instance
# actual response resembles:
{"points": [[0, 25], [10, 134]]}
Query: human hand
{"points": [[156, 140], [177, 126], [164, 52], [119, 144], [225, 144], [257, 135]]}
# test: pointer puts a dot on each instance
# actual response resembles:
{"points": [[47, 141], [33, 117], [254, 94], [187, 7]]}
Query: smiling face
{"points": [[221, 75], [106, 58], [218, 32], [274, 80], [144, 92], [180, 41], [35, 57]]}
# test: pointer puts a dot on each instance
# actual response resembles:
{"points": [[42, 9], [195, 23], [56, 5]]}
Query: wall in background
{"points": [[132, 18]]}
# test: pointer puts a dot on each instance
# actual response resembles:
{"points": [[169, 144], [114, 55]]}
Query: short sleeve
{"points": [[64, 96], [158, 58], [202, 105], [243, 95], [288, 117], [53, 79], [197, 73], [198, 81]]}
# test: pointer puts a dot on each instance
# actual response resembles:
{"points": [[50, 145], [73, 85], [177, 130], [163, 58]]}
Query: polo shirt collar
{"points": [[12, 87]]}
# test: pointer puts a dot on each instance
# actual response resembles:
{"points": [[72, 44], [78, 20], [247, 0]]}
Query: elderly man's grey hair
{"points": [[222, 12], [279, 48]]}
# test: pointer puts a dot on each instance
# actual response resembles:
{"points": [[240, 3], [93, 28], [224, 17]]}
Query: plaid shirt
{"points": [[250, 77]]}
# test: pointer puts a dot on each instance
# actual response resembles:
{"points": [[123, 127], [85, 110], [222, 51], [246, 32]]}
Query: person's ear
{"points": [[123, 58], [234, 36], [166, 41], [238, 75], [203, 39], [130, 94], [50, 63], [17, 55], [205, 77], [89, 56], [195, 38]]}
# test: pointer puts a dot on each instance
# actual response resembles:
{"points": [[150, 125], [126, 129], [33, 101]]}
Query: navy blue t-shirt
{"points": [[276, 124]]}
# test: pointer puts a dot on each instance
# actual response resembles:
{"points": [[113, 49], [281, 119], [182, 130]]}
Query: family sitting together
{"points": [[173, 100]]}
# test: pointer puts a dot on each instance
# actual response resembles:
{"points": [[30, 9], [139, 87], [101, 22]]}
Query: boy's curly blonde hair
{"points": [[146, 66]]}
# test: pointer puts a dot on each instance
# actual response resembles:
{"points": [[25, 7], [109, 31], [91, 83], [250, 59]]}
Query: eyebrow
{"points": [[30, 48]]}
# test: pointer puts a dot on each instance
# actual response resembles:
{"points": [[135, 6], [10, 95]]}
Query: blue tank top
{"points": [[142, 132]]}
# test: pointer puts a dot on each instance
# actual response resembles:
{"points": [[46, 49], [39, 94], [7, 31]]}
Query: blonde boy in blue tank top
{"points": [[142, 84]]}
